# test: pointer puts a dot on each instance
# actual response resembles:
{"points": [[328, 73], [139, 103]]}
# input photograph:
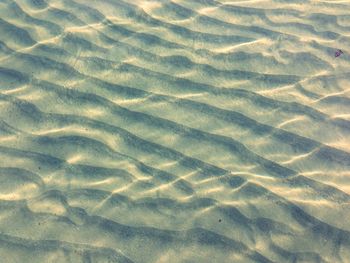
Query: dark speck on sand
{"points": [[338, 53]]}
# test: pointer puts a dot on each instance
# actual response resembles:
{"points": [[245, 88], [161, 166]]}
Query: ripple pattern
{"points": [[174, 131]]}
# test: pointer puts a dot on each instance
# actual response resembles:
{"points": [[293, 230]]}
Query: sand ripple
{"points": [[174, 131]]}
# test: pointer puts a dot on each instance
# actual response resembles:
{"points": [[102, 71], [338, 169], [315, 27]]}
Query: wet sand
{"points": [[174, 131]]}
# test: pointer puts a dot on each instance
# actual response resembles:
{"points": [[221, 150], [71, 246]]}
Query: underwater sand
{"points": [[174, 131]]}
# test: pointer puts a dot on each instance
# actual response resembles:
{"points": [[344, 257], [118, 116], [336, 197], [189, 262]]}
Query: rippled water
{"points": [[174, 131]]}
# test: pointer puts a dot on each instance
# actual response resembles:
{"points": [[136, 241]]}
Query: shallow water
{"points": [[174, 131]]}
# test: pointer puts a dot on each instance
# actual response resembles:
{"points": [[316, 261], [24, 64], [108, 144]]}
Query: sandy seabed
{"points": [[174, 131]]}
